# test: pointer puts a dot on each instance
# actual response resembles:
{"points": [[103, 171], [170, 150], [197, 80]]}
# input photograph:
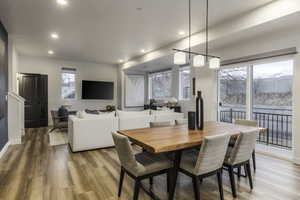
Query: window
{"points": [[68, 87], [184, 83], [160, 85], [260, 91], [232, 93]]}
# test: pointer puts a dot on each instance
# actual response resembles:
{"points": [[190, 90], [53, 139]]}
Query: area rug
{"points": [[58, 138]]}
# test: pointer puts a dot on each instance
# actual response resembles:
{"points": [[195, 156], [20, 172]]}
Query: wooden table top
{"points": [[172, 138]]}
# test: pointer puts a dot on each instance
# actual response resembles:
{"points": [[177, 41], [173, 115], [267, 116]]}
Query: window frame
{"points": [[249, 88]]}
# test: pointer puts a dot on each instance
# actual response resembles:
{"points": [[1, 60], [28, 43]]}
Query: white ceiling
{"points": [[108, 30], [278, 27]]}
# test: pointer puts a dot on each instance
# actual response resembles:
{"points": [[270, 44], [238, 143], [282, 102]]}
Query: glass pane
{"points": [[185, 83], [232, 94], [272, 101], [68, 85], [161, 85]]}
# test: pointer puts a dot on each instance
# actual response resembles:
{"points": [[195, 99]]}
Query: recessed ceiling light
{"points": [[50, 52], [181, 33], [120, 61], [54, 36], [62, 2], [143, 51]]}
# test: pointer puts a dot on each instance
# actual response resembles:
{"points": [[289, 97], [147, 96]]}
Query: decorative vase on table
{"points": [[199, 111]]}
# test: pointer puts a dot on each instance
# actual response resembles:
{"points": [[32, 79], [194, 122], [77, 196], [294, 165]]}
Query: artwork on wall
{"points": [[134, 90]]}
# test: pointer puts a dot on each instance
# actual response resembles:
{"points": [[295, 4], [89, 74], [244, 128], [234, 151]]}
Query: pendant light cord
{"points": [[190, 19], [206, 30]]}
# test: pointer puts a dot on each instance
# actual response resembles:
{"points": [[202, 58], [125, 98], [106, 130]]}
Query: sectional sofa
{"points": [[91, 131]]}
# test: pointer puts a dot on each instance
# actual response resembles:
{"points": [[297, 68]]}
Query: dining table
{"points": [[178, 138]]}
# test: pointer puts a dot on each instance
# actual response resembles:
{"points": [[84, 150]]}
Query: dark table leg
{"points": [[174, 174]]}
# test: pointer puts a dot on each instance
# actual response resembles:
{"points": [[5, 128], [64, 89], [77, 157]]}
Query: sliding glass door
{"points": [[232, 94], [272, 101], [259, 91]]}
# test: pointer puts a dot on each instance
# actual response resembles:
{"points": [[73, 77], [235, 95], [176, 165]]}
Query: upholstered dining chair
{"points": [[181, 121], [207, 162], [240, 155], [252, 123], [58, 122], [139, 166], [160, 124]]}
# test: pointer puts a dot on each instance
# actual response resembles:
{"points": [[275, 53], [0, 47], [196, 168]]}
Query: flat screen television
{"points": [[97, 90]]}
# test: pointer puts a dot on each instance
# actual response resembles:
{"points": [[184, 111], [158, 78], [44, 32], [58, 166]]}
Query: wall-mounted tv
{"points": [[97, 90]]}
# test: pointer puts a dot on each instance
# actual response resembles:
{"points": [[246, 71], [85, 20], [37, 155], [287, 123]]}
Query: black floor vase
{"points": [[199, 111]]}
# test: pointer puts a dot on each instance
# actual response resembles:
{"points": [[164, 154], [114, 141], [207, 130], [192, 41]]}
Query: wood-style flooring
{"points": [[35, 170]]}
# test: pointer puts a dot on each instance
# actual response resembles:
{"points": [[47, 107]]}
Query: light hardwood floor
{"points": [[35, 170]]}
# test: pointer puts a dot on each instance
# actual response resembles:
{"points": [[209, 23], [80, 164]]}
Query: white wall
{"points": [[14, 112], [85, 71], [12, 66]]}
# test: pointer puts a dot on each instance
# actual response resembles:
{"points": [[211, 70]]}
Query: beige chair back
{"points": [[159, 124], [243, 148], [125, 152], [247, 122], [181, 121], [212, 154]]}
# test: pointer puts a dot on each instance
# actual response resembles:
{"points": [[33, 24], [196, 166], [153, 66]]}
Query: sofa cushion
{"points": [[162, 112], [121, 113], [84, 115]]}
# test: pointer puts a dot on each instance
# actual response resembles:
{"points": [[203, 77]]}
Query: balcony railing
{"points": [[279, 126]]}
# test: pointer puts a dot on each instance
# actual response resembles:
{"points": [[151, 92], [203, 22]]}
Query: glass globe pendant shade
{"points": [[214, 63], [199, 61], [179, 58]]}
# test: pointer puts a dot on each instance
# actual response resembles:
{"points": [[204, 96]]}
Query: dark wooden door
{"points": [[34, 89], [3, 85]]}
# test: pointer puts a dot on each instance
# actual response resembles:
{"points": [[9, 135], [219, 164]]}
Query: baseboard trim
{"points": [[16, 141], [4, 149]]}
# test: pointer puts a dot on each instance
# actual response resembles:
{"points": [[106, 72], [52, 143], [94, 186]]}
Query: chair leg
{"points": [[151, 181], [52, 130], [196, 187], [249, 175], [220, 183], [239, 172], [254, 160], [232, 182], [136, 189], [121, 181]]}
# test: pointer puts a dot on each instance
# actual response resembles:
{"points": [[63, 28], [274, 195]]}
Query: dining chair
{"points": [[252, 123], [207, 162], [160, 124], [139, 166], [239, 156], [181, 121], [58, 122]]}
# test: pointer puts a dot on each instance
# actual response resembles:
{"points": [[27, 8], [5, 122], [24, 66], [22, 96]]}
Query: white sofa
{"points": [[165, 115], [94, 131], [133, 119], [91, 132]]}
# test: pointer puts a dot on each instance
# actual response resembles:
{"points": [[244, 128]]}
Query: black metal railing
{"points": [[279, 126]]}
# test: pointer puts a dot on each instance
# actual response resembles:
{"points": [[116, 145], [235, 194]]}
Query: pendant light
{"points": [[214, 63], [199, 59], [179, 58]]}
